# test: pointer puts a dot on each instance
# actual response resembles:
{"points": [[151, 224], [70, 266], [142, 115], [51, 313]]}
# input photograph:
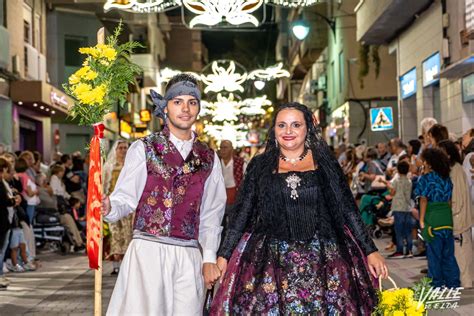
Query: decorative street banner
{"points": [[94, 199], [381, 119]]}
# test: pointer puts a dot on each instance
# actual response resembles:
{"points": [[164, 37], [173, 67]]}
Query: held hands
{"points": [[211, 274], [377, 265], [105, 205], [222, 265]]}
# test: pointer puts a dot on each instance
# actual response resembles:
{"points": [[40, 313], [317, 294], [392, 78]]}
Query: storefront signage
{"points": [[408, 84], [431, 68], [381, 119], [468, 88], [59, 100]]}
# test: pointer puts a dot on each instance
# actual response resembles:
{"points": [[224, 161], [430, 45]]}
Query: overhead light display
{"points": [[224, 78], [294, 3], [213, 12], [143, 6], [270, 73]]}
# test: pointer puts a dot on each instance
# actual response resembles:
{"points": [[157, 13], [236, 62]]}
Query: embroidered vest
{"points": [[170, 203], [238, 170]]}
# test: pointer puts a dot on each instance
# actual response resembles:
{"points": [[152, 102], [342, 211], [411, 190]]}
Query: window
{"points": [[3, 13], [71, 49], [27, 24], [341, 71]]}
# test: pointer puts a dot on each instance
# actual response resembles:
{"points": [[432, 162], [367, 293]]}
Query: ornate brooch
{"points": [[293, 182]]}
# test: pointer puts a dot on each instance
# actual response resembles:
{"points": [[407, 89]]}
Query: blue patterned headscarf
{"points": [[179, 88]]}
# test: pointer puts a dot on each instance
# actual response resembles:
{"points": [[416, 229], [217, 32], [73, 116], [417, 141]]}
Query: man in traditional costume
{"points": [[174, 183]]}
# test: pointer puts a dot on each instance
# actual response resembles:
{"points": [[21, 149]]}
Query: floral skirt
{"points": [[267, 276]]}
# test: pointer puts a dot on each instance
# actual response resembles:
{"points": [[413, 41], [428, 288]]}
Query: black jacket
{"points": [[5, 202]]}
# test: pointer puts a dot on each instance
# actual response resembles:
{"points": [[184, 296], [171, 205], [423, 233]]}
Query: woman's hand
{"points": [[222, 265], [377, 265]]}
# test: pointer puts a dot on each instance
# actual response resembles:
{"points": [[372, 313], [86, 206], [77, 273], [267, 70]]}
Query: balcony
{"points": [[149, 66], [4, 48], [380, 21]]}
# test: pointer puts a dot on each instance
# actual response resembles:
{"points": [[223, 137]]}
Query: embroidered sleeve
{"points": [[240, 220]]}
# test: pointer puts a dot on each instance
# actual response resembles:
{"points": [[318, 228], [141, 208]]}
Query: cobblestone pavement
{"points": [[64, 286]]}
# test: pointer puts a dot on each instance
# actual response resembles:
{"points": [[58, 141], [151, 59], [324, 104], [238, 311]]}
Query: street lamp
{"points": [[300, 29]]}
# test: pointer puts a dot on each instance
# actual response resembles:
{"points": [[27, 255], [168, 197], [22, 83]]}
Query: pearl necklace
{"points": [[293, 161]]}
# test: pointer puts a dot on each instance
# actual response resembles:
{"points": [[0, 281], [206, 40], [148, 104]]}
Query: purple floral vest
{"points": [[170, 203]]}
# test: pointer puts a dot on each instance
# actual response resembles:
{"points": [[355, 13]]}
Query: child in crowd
{"points": [[400, 189], [434, 189], [18, 242]]}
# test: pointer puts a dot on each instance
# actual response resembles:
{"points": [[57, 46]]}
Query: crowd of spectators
{"points": [[30, 188]]}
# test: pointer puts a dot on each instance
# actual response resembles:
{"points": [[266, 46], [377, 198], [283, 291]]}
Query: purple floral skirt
{"points": [[273, 277]]}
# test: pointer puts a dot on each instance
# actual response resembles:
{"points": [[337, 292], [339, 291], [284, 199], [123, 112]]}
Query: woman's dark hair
{"points": [[65, 158], [416, 145], [371, 153], [21, 165], [179, 78], [438, 160], [438, 132], [77, 164], [403, 167], [451, 150]]}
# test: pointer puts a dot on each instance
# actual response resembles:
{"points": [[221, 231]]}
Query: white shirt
{"points": [[394, 159], [131, 182], [228, 173], [58, 187]]}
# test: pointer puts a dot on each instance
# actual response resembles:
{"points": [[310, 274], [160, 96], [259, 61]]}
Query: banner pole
{"points": [[98, 271]]}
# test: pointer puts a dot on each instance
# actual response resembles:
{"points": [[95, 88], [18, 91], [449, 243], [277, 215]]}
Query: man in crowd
{"points": [[384, 155]]}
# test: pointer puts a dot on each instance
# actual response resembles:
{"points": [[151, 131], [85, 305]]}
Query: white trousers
{"points": [[464, 259], [158, 279]]}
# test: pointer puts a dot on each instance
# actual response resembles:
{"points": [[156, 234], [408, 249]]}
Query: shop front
{"points": [[36, 105]]}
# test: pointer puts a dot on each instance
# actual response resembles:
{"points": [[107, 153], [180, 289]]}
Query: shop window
{"points": [[26, 29], [71, 48]]}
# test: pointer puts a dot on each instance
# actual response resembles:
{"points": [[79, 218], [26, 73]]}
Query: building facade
{"points": [[431, 44]]}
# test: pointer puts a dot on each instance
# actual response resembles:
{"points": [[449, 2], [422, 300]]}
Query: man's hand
{"points": [[211, 274], [105, 205]]}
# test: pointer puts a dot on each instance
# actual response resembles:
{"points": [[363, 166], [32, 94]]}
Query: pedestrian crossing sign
{"points": [[381, 119]]}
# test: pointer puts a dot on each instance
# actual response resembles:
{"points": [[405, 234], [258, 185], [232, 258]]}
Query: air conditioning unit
{"points": [[16, 64]]}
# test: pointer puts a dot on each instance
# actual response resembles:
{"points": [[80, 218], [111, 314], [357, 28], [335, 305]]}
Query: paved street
{"points": [[64, 286]]}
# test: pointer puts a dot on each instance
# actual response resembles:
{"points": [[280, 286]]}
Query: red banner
{"points": [[94, 198]]}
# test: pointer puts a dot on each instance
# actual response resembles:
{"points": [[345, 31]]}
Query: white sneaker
{"points": [[5, 268], [18, 268]]}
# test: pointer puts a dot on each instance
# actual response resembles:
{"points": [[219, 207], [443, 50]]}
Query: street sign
{"points": [[408, 84], [431, 68], [381, 119]]}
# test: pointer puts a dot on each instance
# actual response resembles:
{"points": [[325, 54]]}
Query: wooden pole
{"points": [[98, 272]]}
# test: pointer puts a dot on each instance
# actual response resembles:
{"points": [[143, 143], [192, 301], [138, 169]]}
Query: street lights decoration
{"points": [[300, 29], [224, 78], [148, 6], [269, 73], [213, 12], [294, 3]]}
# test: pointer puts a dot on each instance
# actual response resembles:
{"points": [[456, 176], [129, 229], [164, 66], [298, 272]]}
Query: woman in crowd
{"points": [[296, 244], [438, 133], [30, 190], [461, 207], [434, 189], [120, 231]]}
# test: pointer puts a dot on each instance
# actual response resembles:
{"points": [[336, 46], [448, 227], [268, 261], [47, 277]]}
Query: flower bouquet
{"points": [[398, 301], [101, 82]]}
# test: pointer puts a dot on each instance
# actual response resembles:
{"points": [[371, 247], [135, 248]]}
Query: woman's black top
{"points": [[265, 206], [5, 202]]}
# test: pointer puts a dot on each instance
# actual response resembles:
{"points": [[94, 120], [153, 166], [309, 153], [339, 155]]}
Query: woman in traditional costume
{"points": [[296, 242], [121, 231]]}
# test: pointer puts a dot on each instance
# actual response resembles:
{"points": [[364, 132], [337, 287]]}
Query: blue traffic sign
{"points": [[381, 119]]}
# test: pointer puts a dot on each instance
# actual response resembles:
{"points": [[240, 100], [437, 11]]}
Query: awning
{"points": [[459, 69], [41, 97]]}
